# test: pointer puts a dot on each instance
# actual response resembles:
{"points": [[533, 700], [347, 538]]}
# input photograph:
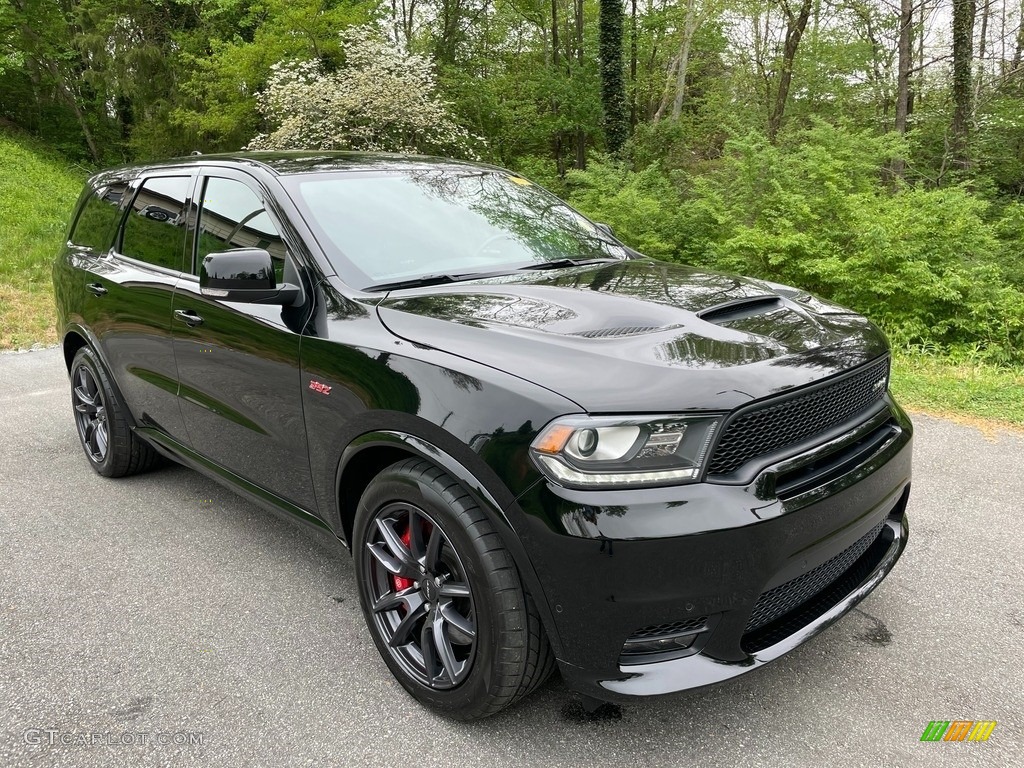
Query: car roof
{"points": [[303, 161]]}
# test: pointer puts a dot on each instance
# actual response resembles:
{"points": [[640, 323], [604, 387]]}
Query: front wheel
{"points": [[442, 597]]}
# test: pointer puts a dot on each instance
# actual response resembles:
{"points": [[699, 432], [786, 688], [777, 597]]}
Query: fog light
{"points": [[658, 645], [662, 642]]}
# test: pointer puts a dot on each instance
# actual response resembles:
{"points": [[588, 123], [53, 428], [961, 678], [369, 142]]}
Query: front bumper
{"points": [[612, 563]]}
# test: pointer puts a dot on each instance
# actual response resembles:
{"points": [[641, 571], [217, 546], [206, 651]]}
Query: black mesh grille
{"points": [[604, 333], [667, 630], [782, 599], [824, 601], [781, 423]]}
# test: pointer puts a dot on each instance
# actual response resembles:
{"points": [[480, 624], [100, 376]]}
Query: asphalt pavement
{"points": [[163, 620]]}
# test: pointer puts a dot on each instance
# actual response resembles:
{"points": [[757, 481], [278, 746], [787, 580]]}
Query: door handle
{"points": [[188, 317], [96, 288]]}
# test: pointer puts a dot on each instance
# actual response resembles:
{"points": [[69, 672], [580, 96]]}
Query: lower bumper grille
{"points": [[782, 599], [849, 572]]}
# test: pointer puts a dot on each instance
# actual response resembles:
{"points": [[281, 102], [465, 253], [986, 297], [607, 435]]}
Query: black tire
{"points": [[497, 651], [110, 445]]}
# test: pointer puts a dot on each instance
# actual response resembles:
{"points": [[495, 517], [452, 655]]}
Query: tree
{"points": [[905, 62], [678, 68], [796, 23], [35, 39], [613, 87], [382, 99], [963, 46]]}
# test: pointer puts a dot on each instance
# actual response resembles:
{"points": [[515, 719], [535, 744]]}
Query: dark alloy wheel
{"points": [[103, 425], [422, 602], [442, 596], [90, 413]]}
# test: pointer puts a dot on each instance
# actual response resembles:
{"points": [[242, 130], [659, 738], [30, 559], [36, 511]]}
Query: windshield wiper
{"points": [[438, 279], [414, 282], [562, 263], [442, 278]]}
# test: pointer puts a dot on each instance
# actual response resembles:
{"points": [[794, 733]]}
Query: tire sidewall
{"points": [[87, 358], [394, 486]]}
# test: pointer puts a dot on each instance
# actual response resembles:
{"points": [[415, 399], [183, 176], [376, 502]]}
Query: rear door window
{"points": [[154, 227]]}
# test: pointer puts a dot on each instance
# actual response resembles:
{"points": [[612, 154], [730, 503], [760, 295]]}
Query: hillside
{"points": [[37, 193]]}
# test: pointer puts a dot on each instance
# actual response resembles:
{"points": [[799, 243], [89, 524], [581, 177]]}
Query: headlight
{"points": [[618, 452]]}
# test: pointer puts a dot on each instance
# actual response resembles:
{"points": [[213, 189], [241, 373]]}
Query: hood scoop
{"points": [[609, 333], [740, 309]]}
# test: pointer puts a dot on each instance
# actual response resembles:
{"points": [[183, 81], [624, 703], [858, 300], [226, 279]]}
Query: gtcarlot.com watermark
{"points": [[56, 737]]}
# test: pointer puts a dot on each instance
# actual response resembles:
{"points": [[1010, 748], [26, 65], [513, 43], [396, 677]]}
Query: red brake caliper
{"points": [[401, 582]]}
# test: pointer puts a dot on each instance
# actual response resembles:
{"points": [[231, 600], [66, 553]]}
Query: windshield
{"points": [[384, 227]]}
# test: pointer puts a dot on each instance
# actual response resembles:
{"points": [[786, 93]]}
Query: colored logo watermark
{"points": [[958, 730]]}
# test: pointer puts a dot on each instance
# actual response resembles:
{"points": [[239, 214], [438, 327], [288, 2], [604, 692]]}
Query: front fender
{"points": [[490, 495]]}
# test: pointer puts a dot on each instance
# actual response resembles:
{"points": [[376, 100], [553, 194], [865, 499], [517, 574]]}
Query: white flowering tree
{"points": [[382, 99]]}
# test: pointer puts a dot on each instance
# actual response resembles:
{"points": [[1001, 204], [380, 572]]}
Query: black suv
{"points": [[542, 448]]}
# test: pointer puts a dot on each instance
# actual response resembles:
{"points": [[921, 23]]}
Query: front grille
{"points": [[782, 599], [780, 423], [667, 630]]}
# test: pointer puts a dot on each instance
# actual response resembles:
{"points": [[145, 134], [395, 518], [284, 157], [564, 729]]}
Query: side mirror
{"points": [[604, 228], [244, 274]]}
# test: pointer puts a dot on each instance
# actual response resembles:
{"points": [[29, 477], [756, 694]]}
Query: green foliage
{"points": [[380, 99], [37, 193], [816, 212], [936, 256], [638, 206], [231, 60]]}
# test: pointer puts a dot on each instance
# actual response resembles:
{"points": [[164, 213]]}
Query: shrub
{"points": [[818, 213], [381, 99]]}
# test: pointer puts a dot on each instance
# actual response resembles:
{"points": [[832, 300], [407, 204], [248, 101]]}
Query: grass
{"points": [[37, 194], [975, 393]]}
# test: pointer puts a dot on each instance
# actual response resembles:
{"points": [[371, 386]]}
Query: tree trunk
{"points": [[72, 99], [905, 61], [1018, 49], [795, 27], [557, 138], [632, 66], [613, 92], [581, 134], [666, 94], [963, 46], [979, 77], [919, 91], [690, 24]]}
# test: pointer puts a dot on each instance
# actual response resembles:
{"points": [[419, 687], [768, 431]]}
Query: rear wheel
{"points": [[442, 597], [110, 445]]}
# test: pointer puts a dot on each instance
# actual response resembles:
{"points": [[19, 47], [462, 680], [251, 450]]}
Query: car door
{"points": [[131, 288], [238, 363]]}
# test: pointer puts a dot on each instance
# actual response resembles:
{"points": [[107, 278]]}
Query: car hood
{"points": [[639, 335]]}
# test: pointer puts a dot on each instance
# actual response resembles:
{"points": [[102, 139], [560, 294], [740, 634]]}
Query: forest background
{"points": [[870, 151]]}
